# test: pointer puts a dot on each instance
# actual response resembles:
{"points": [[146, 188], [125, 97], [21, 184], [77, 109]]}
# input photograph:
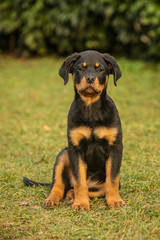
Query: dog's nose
{"points": [[90, 78]]}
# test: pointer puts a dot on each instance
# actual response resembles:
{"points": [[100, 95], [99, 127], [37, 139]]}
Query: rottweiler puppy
{"points": [[90, 165]]}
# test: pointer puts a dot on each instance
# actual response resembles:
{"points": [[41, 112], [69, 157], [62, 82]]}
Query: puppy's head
{"points": [[90, 71]]}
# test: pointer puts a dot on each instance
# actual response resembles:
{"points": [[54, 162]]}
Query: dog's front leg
{"points": [[79, 172], [80, 188], [113, 198]]}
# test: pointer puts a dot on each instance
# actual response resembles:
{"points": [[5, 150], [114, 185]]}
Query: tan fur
{"points": [[81, 189], [79, 133], [70, 194], [107, 133], [57, 191], [82, 84], [99, 193], [98, 86], [90, 99], [112, 188], [70, 66], [97, 64]]}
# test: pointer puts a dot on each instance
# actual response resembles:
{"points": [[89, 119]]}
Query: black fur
{"points": [[29, 182]]}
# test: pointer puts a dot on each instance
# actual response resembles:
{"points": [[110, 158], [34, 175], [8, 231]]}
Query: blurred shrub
{"points": [[64, 26]]}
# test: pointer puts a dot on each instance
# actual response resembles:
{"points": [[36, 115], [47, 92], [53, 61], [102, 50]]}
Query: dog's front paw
{"points": [[51, 201], [115, 202], [81, 205]]}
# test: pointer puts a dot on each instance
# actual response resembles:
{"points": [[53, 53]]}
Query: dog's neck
{"points": [[98, 112]]}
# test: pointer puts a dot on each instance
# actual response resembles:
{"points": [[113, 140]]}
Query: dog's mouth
{"points": [[89, 91]]}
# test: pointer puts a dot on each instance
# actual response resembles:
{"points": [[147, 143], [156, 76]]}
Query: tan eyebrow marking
{"points": [[97, 64], [84, 64]]}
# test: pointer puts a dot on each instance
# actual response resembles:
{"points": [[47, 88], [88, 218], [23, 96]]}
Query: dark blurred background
{"points": [[127, 28]]}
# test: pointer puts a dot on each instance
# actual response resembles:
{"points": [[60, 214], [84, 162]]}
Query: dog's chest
{"points": [[93, 135], [93, 143]]}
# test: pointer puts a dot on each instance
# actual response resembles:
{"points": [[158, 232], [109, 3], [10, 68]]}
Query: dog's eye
{"points": [[81, 68], [99, 69]]}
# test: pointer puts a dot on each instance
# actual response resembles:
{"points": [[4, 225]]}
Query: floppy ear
{"points": [[66, 66], [114, 68]]}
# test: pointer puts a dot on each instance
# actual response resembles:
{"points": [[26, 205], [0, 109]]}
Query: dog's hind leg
{"points": [[60, 180], [70, 197]]}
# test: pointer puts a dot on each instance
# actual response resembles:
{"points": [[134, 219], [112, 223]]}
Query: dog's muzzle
{"points": [[89, 91]]}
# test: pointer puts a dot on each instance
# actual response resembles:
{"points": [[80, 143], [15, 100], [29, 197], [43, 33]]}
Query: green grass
{"points": [[32, 96]]}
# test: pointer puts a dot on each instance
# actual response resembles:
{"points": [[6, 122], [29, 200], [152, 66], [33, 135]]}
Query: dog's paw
{"points": [[70, 196], [115, 203], [51, 201], [81, 205]]}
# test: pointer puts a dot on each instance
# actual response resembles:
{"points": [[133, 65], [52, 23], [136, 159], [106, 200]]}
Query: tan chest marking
{"points": [[108, 133], [79, 133]]}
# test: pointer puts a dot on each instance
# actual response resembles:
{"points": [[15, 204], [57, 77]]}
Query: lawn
{"points": [[33, 120]]}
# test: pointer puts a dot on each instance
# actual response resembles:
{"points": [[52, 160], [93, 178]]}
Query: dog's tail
{"points": [[29, 182]]}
